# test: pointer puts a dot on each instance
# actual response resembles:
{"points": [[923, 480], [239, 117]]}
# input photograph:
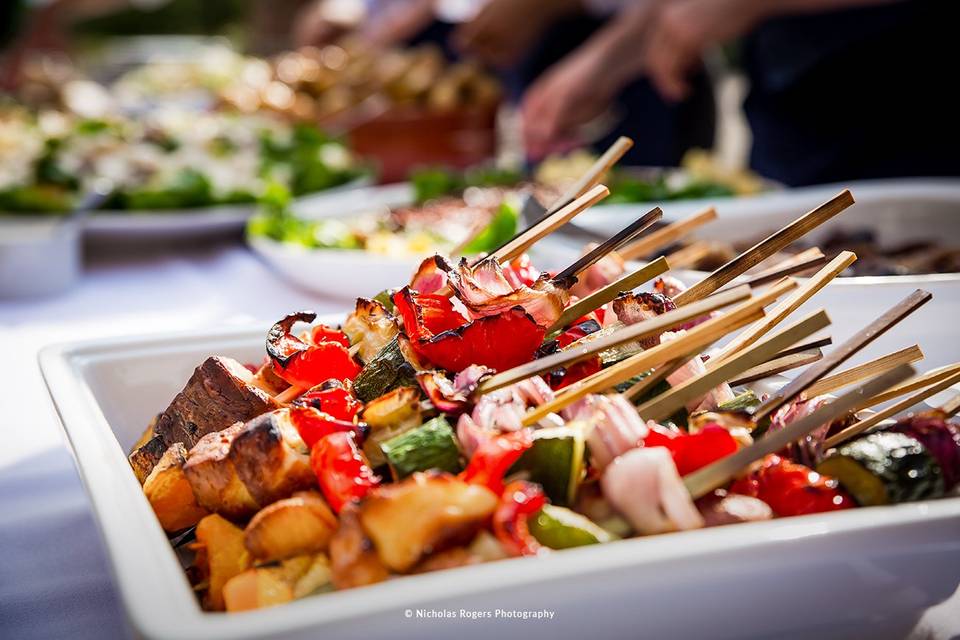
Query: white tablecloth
{"points": [[54, 578]]}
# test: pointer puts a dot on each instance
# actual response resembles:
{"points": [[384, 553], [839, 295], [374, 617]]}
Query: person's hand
{"points": [[681, 30], [503, 30], [569, 94]]}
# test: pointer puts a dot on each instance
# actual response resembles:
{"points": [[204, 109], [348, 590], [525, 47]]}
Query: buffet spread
{"points": [[484, 409]]}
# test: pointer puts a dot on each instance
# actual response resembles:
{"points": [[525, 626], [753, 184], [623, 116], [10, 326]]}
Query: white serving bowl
{"points": [[39, 255], [861, 573]]}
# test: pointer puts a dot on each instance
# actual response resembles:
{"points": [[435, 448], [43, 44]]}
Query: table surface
{"points": [[54, 577]]}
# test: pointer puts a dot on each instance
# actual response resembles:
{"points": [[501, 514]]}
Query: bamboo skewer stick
{"points": [[778, 365], [653, 326], [951, 406], [522, 241], [594, 174], [930, 377], [766, 248], [689, 255], [289, 394], [667, 235], [605, 294], [843, 352], [803, 261], [656, 376], [807, 345], [866, 370], [696, 338], [590, 258], [677, 397], [714, 475], [861, 426], [807, 290]]}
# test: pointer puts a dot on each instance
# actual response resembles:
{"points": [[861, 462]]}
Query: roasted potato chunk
{"points": [[214, 479], [170, 494], [300, 524], [221, 555], [269, 586], [271, 459], [448, 512], [267, 379], [354, 561]]}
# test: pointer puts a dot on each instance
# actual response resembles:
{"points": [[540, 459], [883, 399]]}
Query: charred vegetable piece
{"points": [[271, 458], [300, 524], [335, 398], [941, 438], [792, 489], [313, 424], [560, 528], [499, 342], [170, 494], [885, 468], [555, 461], [448, 513], [452, 397], [306, 364], [387, 417], [371, 326], [388, 370], [520, 501], [214, 478], [494, 458], [221, 555], [146, 456], [341, 469], [430, 446], [742, 402]]}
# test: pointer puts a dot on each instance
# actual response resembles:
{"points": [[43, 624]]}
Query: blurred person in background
{"points": [[840, 89], [546, 52]]}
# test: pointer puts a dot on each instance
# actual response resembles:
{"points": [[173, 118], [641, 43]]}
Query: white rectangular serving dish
{"points": [[866, 572]]}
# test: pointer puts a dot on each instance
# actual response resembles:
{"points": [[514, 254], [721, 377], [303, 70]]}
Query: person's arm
{"points": [[582, 85], [684, 29]]}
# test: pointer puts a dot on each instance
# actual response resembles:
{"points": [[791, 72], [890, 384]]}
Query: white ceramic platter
{"points": [[861, 573], [187, 223]]}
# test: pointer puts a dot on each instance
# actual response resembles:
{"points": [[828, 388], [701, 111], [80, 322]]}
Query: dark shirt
{"points": [[853, 94]]}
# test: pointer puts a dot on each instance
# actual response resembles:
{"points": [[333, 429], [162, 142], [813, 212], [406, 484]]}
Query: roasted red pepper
{"points": [[425, 315], [305, 364], [494, 457], [693, 451], [333, 397], [582, 327], [792, 489], [322, 333], [520, 501], [520, 272], [313, 424], [497, 342], [342, 470], [574, 373]]}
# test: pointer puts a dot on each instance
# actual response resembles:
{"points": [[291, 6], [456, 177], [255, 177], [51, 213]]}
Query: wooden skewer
{"points": [[594, 174], [951, 406], [697, 338], [701, 482], [667, 235], [930, 377], [803, 261], [766, 248], [785, 308], [843, 353], [605, 294], [778, 365], [629, 232], [866, 370], [889, 412], [658, 374], [689, 255], [289, 394], [677, 397], [807, 345], [631, 333], [549, 223]]}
